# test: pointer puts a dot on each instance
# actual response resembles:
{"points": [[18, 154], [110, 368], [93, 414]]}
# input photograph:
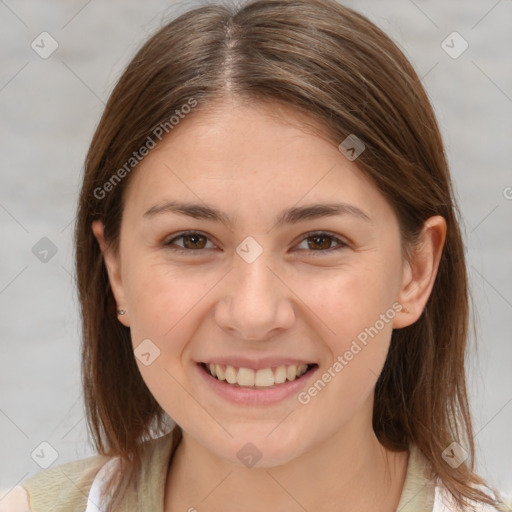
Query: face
{"points": [[253, 245]]}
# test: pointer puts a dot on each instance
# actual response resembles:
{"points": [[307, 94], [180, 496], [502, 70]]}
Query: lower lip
{"points": [[256, 396]]}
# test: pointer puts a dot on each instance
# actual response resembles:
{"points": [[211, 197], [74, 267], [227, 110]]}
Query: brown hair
{"points": [[338, 68]]}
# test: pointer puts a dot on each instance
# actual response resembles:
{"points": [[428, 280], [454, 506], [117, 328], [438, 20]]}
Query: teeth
{"points": [[291, 372], [220, 372], [230, 375], [265, 377], [280, 374], [245, 377]]}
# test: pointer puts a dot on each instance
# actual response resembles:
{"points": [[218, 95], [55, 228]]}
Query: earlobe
{"points": [[113, 266], [420, 271]]}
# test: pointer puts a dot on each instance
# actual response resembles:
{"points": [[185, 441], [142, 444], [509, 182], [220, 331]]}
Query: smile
{"points": [[261, 378], [267, 385]]}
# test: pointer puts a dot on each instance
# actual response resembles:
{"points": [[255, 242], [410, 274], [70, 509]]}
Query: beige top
{"points": [[66, 487]]}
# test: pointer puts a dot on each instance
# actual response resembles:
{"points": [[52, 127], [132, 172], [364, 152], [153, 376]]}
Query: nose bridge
{"points": [[254, 303], [253, 281]]}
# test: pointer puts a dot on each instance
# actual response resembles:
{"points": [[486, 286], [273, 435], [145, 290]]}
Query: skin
{"points": [[296, 299]]}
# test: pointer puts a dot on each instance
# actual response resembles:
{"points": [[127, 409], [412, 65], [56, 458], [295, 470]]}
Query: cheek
{"points": [[167, 305], [357, 309], [354, 312], [160, 297], [349, 299], [163, 305]]}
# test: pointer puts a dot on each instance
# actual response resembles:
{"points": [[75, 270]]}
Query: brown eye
{"points": [[195, 241], [189, 242], [321, 243]]}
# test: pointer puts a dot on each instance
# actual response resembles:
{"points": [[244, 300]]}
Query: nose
{"points": [[255, 305]]}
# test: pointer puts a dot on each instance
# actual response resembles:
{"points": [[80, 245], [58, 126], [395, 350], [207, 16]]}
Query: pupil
{"points": [[317, 240], [194, 239]]}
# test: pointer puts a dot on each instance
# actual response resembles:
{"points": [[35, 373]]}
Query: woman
{"points": [[268, 254]]}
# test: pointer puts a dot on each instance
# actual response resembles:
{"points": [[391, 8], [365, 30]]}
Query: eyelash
{"points": [[341, 243]]}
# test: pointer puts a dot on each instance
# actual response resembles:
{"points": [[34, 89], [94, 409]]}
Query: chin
{"points": [[261, 447]]}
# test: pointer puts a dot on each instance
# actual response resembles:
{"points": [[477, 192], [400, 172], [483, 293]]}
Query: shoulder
{"points": [[422, 491], [15, 500], [444, 501], [69, 486], [61, 488]]}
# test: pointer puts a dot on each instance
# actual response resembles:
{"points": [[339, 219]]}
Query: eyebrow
{"points": [[293, 215]]}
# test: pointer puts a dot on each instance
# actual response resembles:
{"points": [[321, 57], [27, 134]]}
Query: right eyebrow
{"points": [[195, 210]]}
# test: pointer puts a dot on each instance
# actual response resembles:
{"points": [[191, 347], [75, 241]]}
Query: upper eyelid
{"points": [[328, 233]]}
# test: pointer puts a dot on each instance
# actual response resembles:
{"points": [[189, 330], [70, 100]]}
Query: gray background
{"points": [[49, 108]]}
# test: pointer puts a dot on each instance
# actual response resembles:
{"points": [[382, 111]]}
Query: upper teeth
{"points": [[265, 377]]}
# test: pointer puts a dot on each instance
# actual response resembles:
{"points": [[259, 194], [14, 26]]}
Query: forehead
{"points": [[253, 156]]}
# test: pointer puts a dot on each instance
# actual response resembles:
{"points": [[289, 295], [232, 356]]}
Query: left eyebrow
{"points": [[293, 215], [316, 211]]}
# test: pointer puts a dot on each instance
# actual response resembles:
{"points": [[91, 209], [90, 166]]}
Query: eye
{"points": [[321, 242], [192, 241]]}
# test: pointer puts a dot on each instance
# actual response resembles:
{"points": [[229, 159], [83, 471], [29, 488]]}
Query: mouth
{"points": [[260, 379]]}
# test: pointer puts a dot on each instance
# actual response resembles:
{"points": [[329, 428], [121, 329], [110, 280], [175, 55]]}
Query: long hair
{"points": [[338, 68]]}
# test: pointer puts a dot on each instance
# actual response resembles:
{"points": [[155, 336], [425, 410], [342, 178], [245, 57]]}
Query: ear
{"points": [[113, 266], [420, 271]]}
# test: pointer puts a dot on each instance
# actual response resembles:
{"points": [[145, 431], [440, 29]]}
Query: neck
{"points": [[345, 473]]}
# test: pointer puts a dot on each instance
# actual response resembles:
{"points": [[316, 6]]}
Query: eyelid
{"points": [[341, 243]]}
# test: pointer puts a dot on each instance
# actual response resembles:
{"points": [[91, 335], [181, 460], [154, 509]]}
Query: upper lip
{"points": [[256, 364]]}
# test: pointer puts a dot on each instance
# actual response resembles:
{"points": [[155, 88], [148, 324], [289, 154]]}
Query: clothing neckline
{"points": [[417, 493]]}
